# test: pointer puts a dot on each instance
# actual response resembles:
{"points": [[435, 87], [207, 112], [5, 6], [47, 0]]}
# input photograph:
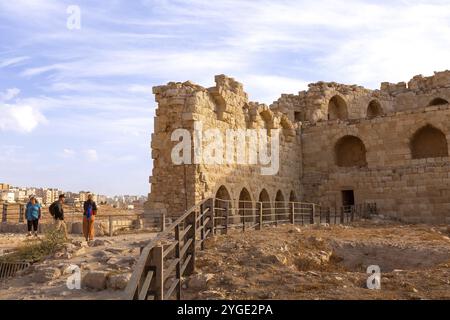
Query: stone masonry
{"points": [[388, 146]]}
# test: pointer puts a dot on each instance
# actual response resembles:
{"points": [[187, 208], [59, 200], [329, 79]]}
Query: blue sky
{"points": [[76, 105]]}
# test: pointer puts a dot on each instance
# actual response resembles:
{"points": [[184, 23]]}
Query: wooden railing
{"points": [[171, 255], [13, 213]]}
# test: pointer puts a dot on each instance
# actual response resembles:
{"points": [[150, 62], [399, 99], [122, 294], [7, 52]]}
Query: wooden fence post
{"points": [[313, 213], [158, 264], [328, 215], [5, 212], [342, 216], [21, 213], [211, 216], [177, 256], [293, 212], [227, 210], [202, 226], [191, 234], [163, 222], [111, 226], [260, 216]]}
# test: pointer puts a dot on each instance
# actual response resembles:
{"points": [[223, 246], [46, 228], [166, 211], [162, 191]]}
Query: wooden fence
{"points": [[171, 255], [15, 213]]}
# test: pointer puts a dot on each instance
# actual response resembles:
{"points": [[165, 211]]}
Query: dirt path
{"points": [[325, 263]]}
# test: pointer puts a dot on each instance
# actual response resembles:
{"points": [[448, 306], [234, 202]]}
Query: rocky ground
{"points": [[323, 262], [105, 265], [287, 262]]}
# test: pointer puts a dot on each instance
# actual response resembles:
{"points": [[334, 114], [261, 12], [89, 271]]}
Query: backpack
{"points": [[52, 209], [89, 210]]}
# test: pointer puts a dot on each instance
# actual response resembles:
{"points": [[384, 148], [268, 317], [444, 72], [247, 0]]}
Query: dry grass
{"points": [[37, 250]]}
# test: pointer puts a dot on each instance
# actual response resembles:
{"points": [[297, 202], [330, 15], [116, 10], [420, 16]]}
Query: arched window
{"points": [[374, 109], [266, 206], [246, 206], [428, 142], [437, 102], [337, 109], [350, 152], [280, 207]]}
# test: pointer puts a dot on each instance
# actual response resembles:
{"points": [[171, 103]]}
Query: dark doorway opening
{"points": [[348, 198]]}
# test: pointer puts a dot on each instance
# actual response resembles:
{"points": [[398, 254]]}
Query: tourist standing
{"points": [[57, 211], [33, 215], [90, 210]]}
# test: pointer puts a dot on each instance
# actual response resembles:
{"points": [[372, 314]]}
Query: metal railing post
{"points": [[313, 213]]}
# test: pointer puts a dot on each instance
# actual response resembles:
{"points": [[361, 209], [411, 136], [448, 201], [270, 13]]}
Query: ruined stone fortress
{"points": [[339, 145]]}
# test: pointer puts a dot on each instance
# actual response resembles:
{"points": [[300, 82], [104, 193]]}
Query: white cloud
{"points": [[12, 61], [68, 153], [9, 94], [91, 155], [20, 118]]}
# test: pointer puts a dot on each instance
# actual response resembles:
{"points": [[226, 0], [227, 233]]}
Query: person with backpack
{"points": [[57, 211], [89, 212], [33, 215]]}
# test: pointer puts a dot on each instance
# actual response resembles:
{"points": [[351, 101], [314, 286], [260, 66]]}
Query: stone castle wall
{"points": [[318, 126], [225, 106], [414, 189]]}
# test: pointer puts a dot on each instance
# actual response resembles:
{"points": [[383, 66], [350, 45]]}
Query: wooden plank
{"points": [[170, 269], [191, 220], [169, 249], [185, 264], [186, 230], [175, 284], [158, 262], [185, 247], [135, 280], [178, 256], [143, 293]]}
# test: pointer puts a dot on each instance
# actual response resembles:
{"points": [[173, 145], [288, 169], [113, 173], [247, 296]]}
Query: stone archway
{"points": [[428, 142], [350, 151], [264, 198], [280, 206], [221, 202], [337, 108], [246, 211]]}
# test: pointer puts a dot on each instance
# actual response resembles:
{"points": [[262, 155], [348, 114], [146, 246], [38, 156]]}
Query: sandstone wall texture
{"points": [[388, 146]]}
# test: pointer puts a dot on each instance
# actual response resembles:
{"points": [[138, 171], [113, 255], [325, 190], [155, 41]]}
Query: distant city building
{"points": [[7, 196], [4, 186], [46, 196]]}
